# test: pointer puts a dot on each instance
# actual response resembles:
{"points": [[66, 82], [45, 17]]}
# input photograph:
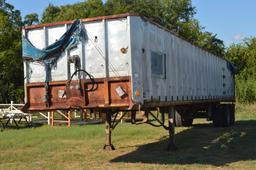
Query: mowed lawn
{"points": [[137, 146]]}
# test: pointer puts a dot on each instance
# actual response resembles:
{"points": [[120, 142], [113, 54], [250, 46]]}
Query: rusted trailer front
{"points": [[63, 97], [125, 63]]}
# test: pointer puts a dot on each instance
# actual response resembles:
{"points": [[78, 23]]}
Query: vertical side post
{"points": [[48, 118], [26, 72], [52, 118], [29, 117], [105, 33], [171, 144], [69, 119], [108, 129], [106, 92], [83, 114], [122, 113], [75, 115]]}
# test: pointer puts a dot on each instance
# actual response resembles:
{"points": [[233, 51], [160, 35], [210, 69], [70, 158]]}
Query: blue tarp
{"points": [[68, 40], [50, 55]]}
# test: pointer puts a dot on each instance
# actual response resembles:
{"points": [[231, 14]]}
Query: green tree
{"points": [[243, 56], [11, 73], [176, 15], [31, 19], [90, 8], [50, 14]]}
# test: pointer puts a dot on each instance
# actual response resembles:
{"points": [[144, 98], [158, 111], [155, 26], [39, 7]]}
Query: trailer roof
{"points": [[117, 16], [83, 20]]}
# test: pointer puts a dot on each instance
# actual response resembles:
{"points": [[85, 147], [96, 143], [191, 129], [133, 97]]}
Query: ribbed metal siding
{"points": [[100, 53], [192, 73]]}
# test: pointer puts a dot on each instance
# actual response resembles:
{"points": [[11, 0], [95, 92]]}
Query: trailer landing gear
{"points": [[110, 126], [171, 128], [112, 121], [108, 129]]}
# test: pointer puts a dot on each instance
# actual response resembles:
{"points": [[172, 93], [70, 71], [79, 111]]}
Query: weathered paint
{"points": [[70, 97], [192, 74], [101, 35]]}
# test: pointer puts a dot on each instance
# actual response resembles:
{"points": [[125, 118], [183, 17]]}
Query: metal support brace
{"points": [[69, 118], [171, 144], [117, 121], [30, 118], [82, 114], [161, 123], [133, 117], [3, 125], [52, 118], [145, 116], [108, 129], [48, 118]]}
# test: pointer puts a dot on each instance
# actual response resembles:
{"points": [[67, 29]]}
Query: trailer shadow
{"points": [[201, 144]]}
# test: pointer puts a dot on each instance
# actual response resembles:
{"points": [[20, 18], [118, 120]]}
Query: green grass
{"points": [[138, 146]]}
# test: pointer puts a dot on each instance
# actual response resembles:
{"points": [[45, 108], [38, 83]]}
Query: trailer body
{"points": [[135, 65], [132, 55]]}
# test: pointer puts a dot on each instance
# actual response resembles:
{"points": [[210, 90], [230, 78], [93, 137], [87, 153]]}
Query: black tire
{"points": [[187, 122], [216, 117], [232, 114], [177, 119], [222, 116], [180, 121], [226, 117]]}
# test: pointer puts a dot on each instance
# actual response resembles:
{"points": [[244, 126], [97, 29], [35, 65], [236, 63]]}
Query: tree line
{"points": [[243, 55], [176, 15]]}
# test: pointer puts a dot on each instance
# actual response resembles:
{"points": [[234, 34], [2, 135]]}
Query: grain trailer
{"points": [[125, 63]]}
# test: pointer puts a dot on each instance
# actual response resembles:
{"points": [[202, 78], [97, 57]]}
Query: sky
{"points": [[231, 20]]}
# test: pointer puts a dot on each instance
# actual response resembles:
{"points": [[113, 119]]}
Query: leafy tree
{"points": [[50, 14], [31, 19], [176, 15], [90, 8], [11, 73], [243, 56]]}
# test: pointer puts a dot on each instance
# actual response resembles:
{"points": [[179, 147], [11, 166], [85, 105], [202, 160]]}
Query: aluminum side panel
{"points": [[191, 73], [117, 39], [100, 53]]}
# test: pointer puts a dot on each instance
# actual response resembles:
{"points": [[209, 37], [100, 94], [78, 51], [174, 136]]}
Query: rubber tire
{"points": [[187, 122], [222, 116], [232, 114], [226, 117], [216, 117], [179, 121]]}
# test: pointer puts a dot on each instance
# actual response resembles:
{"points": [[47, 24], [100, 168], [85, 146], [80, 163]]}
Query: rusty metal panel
{"points": [[63, 97]]}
